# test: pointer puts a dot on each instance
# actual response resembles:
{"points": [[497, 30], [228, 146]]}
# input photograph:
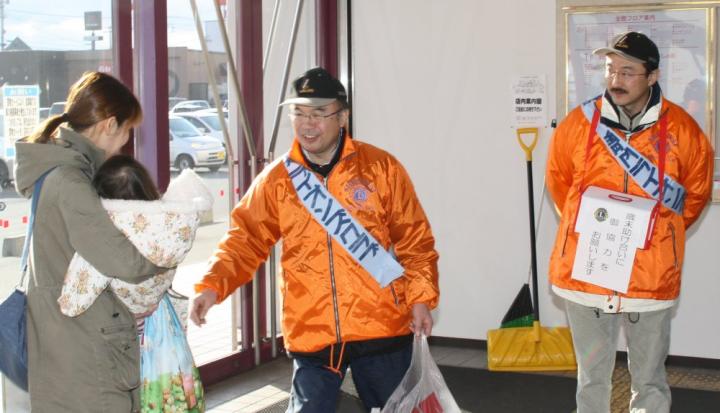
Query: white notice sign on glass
{"points": [[529, 107], [20, 107]]}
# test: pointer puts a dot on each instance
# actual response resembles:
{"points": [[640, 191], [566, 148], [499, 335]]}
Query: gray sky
{"points": [[60, 25]]}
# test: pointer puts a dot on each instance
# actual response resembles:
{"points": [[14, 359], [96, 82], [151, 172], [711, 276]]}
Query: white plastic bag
{"points": [[180, 304], [189, 186], [423, 389], [170, 379]]}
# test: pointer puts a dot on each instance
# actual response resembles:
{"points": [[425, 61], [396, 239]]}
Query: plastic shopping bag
{"points": [[423, 389], [180, 304], [170, 379]]}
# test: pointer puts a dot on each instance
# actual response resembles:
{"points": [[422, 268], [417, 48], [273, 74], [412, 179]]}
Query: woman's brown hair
{"points": [[94, 97]]}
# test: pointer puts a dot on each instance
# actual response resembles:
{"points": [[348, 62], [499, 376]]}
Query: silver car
{"points": [[190, 148], [206, 121], [7, 158]]}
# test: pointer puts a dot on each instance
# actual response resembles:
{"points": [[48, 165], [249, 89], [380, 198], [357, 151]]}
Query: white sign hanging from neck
{"points": [[612, 227]]}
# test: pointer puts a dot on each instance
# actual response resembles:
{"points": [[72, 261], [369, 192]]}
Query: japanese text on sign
{"points": [[528, 101], [20, 114], [611, 226]]}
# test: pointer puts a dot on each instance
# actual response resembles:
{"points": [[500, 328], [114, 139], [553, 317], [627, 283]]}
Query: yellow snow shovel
{"points": [[533, 348]]}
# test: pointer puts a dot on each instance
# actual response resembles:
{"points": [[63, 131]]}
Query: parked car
{"points": [[190, 148], [6, 172], [6, 163], [207, 121], [174, 100], [56, 108], [190, 106]]}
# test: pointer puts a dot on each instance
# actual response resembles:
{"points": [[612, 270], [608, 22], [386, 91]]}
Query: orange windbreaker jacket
{"points": [[328, 297], [689, 160]]}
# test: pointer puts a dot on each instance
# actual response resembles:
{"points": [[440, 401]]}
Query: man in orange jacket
{"points": [[358, 256], [627, 144]]}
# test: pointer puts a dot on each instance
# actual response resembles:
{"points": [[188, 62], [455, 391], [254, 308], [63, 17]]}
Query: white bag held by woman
{"points": [[423, 389]]}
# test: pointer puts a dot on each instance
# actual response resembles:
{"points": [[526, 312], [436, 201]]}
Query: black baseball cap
{"points": [[635, 47], [316, 87]]}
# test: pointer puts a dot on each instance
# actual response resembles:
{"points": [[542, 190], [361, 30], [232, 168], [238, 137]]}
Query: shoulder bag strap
{"points": [[31, 223]]}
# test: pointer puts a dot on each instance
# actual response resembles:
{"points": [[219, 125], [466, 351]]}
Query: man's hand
{"points": [[422, 320], [200, 306]]}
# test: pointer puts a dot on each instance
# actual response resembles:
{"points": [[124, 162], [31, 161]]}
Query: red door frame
{"points": [[122, 51], [153, 147], [326, 35], [153, 150]]}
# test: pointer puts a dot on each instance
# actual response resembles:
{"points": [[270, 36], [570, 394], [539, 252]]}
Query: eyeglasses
{"points": [[298, 116], [622, 74]]}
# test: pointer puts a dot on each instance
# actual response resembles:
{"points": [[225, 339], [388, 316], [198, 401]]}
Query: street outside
{"points": [[15, 209], [208, 343]]}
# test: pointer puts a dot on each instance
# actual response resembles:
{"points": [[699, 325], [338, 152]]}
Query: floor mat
{"points": [[690, 392], [346, 404], [477, 390]]}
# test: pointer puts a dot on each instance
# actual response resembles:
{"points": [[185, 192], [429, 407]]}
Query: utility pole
{"points": [[2, 23], [93, 21]]}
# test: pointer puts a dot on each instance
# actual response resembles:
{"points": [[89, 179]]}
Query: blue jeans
{"points": [[315, 388]]}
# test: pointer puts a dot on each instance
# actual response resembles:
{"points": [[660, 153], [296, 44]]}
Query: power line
{"points": [[2, 23], [34, 13]]}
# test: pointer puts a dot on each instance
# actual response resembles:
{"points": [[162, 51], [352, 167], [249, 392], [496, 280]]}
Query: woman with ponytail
{"points": [[87, 363]]}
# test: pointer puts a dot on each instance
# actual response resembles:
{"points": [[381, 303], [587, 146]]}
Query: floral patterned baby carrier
{"points": [[163, 231]]}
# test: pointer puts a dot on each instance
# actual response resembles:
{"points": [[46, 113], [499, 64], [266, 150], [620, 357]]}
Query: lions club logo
{"points": [[601, 214], [360, 195], [360, 190]]}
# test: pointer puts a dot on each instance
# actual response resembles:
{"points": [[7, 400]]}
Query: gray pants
{"points": [[595, 336]]}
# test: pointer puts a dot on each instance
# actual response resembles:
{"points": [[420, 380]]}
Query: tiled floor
{"points": [[251, 391], [270, 383]]}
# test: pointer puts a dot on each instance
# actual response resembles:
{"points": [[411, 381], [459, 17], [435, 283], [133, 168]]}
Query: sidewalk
{"points": [[207, 343]]}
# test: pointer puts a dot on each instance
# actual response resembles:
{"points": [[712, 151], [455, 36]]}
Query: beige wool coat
{"points": [[88, 363]]}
